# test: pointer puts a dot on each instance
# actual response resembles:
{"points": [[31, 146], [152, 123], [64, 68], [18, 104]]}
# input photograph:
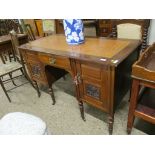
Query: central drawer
{"points": [[57, 61]]}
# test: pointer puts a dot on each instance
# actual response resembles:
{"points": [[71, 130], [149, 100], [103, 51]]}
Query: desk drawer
{"points": [[91, 71], [56, 61]]}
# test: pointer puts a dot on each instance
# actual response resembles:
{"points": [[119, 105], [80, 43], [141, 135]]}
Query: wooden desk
{"points": [[142, 105], [100, 68], [5, 43]]}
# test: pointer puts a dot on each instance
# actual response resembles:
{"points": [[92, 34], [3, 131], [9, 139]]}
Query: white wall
{"points": [[151, 33]]}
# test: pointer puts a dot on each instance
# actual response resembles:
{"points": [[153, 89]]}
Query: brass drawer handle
{"points": [[52, 60]]}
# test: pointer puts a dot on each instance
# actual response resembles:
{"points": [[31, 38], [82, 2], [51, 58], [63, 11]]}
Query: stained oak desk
{"points": [[5, 43], [100, 68]]}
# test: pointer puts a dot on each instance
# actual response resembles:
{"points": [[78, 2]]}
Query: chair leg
{"points": [[9, 55], [23, 72], [5, 57], [51, 92], [13, 54], [2, 58], [10, 75], [1, 82]]}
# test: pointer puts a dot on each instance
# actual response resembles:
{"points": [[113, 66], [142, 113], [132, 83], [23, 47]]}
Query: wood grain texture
{"points": [[93, 48], [144, 68]]}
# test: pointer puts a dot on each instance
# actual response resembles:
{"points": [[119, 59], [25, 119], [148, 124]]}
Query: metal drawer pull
{"points": [[52, 60]]}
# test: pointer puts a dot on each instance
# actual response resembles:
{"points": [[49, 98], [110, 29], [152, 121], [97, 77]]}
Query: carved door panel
{"points": [[35, 67], [36, 70], [92, 81]]}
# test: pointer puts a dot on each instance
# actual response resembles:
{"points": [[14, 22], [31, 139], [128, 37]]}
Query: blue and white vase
{"points": [[74, 31]]}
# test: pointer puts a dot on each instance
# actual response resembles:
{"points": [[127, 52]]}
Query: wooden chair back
{"points": [[15, 44], [29, 32], [135, 24]]}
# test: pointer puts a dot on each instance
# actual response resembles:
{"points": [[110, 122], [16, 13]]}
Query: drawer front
{"points": [[90, 71], [56, 61], [31, 56]]}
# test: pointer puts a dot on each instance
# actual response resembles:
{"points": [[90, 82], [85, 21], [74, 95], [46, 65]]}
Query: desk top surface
{"points": [[93, 47]]}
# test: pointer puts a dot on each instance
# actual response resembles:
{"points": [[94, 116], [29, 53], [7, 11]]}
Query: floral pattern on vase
{"points": [[73, 31]]}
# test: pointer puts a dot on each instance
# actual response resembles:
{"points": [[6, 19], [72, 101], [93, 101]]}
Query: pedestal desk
{"points": [[100, 68]]}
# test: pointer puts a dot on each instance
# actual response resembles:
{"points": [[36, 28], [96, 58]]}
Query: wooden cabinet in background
{"points": [[104, 27], [39, 27], [59, 26]]}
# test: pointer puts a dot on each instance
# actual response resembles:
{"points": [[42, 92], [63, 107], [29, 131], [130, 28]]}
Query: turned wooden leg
{"points": [[5, 57], [133, 102], [2, 58], [9, 55], [1, 82], [37, 88], [111, 122], [82, 110], [51, 92]]}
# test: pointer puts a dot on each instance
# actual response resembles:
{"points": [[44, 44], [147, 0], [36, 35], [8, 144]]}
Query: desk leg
{"points": [[37, 88], [52, 94], [111, 122], [133, 103], [82, 110]]}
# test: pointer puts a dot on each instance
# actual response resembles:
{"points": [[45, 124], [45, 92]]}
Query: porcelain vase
{"points": [[74, 31]]}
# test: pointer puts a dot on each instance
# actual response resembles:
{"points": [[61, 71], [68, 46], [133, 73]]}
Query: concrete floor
{"points": [[63, 118]]}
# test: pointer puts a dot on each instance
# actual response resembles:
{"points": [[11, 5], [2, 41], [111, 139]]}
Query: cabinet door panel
{"points": [[35, 67], [36, 71], [93, 84]]}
